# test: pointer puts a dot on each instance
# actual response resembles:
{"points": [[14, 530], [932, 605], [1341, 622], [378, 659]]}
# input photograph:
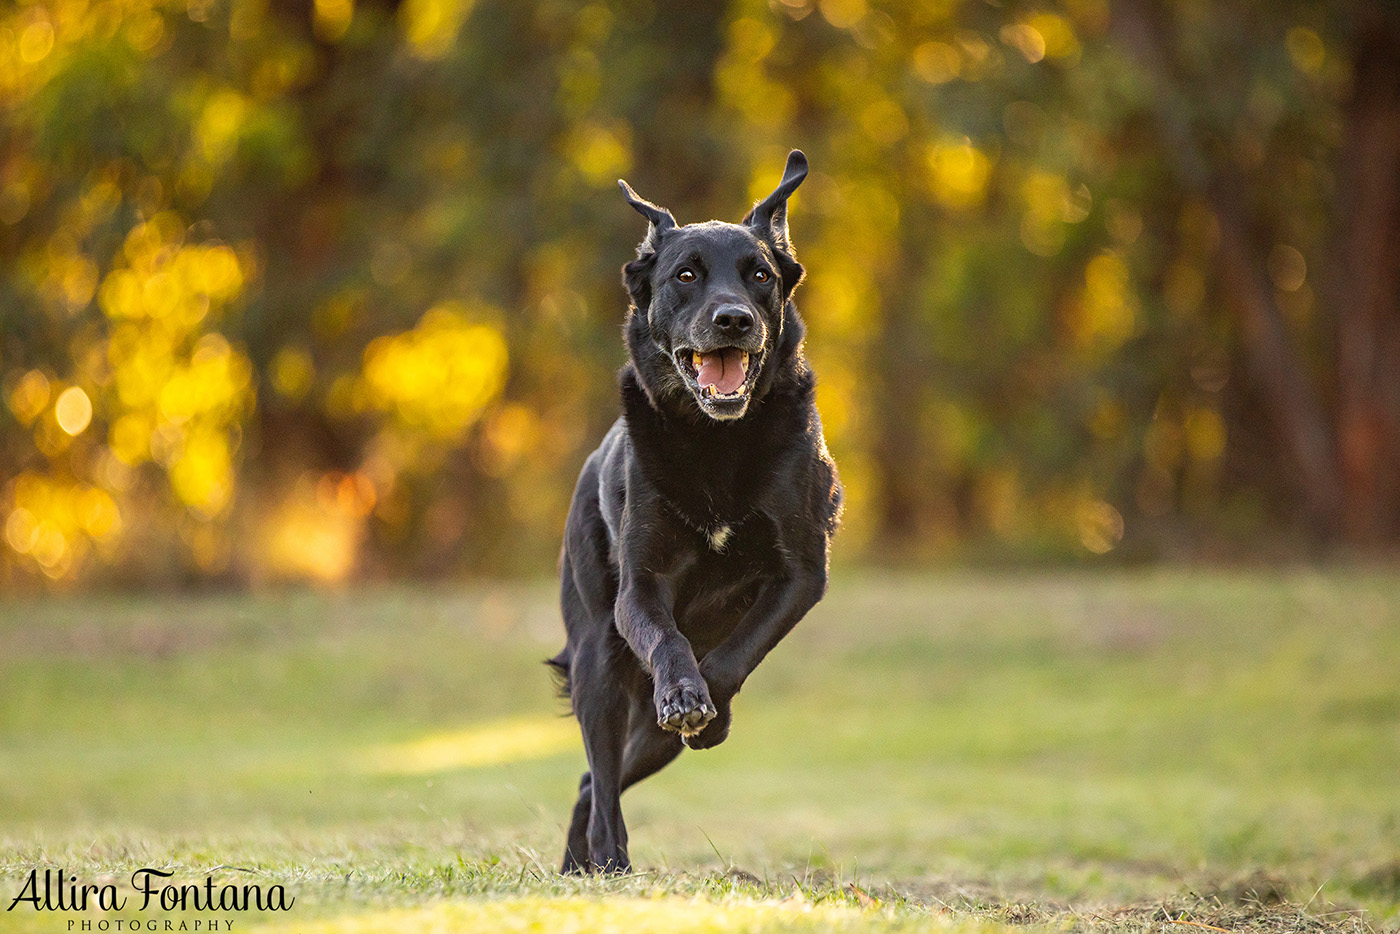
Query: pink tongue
{"points": [[722, 370]]}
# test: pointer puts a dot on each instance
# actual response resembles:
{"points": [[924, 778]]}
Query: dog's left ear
{"points": [[768, 218]]}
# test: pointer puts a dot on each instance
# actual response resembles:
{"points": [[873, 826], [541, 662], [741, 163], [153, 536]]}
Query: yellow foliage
{"points": [[750, 39], [51, 520], [130, 438], [438, 377], [1100, 525], [601, 154], [315, 532], [73, 410], [839, 295], [510, 435], [958, 172], [332, 18], [35, 42], [936, 62], [293, 372], [742, 81], [843, 14], [220, 125], [201, 474], [884, 121], [1026, 39], [431, 26], [214, 383], [29, 397], [836, 395], [1205, 434], [1106, 314], [1305, 49], [179, 393], [144, 30], [1057, 35]]}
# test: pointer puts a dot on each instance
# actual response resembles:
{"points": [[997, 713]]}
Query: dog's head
{"points": [[709, 301]]}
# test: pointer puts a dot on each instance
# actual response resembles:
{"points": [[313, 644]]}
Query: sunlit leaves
{"points": [[601, 154], [438, 377], [219, 125], [293, 372], [181, 394], [742, 80], [54, 523], [1105, 314], [958, 173], [223, 222], [73, 410], [332, 18], [936, 62], [1305, 49], [28, 397], [430, 26]]}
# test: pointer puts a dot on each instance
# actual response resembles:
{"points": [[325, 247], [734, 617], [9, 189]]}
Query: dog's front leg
{"points": [[646, 621], [781, 604]]}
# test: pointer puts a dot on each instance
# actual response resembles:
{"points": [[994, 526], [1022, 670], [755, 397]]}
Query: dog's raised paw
{"points": [[683, 709], [714, 733]]}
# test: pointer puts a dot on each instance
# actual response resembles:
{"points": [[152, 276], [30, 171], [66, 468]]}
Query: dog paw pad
{"points": [[685, 712]]}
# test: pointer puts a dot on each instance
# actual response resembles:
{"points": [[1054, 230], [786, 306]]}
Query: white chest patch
{"points": [[720, 537]]}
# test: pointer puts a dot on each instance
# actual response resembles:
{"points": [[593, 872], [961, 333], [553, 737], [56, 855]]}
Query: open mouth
{"points": [[719, 374]]}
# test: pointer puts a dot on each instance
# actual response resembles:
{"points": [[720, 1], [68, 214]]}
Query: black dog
{"points": [[699, 530]]}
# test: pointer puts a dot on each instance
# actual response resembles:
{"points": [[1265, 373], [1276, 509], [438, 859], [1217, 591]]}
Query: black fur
{"points": [[699, 530]]}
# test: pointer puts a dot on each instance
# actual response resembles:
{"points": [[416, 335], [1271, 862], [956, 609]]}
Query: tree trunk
{"points": [[1292, 401], [1366, 296]]}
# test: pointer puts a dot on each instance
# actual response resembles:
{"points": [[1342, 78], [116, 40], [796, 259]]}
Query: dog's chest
{"points": [[718, 534], [715, 506]]}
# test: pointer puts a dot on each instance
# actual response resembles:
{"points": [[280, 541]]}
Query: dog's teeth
{"points": [[744, 361], [696, 360]]}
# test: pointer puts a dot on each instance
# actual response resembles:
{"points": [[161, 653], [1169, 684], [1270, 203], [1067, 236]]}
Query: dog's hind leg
{"points": [[600, 703], [576, 860], [649, 749]]}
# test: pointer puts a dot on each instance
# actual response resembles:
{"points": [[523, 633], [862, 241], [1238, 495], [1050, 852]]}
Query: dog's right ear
{"points": [[636, 275], [659, 219], [636, 278]]}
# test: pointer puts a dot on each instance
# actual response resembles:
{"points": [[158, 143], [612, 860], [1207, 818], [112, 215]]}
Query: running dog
{"points": [[700, 528]]}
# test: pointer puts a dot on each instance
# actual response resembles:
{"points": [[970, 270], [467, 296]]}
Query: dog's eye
{"points": [[762, 275], [685, 275]]}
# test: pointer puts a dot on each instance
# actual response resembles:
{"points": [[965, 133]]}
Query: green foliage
{"points": [[1020, 303]]}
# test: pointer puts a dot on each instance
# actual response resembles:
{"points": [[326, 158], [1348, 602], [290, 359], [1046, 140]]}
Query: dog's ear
{"points": [[636, 275], [659, 219], [768, 218], [636, 278]]}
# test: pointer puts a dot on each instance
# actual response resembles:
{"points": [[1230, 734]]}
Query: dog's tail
{"points": [[559, 666]]}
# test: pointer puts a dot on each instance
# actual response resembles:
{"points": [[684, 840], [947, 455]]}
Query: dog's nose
{"points": [[733, 319]]}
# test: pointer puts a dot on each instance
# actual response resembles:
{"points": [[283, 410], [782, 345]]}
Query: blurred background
{"points": [[328, 289]]}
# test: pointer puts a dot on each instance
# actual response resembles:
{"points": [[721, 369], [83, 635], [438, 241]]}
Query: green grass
{"points": [[952, 753]]}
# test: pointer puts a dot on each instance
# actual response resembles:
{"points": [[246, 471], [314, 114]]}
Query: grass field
{"points": [[1154, 751]]}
